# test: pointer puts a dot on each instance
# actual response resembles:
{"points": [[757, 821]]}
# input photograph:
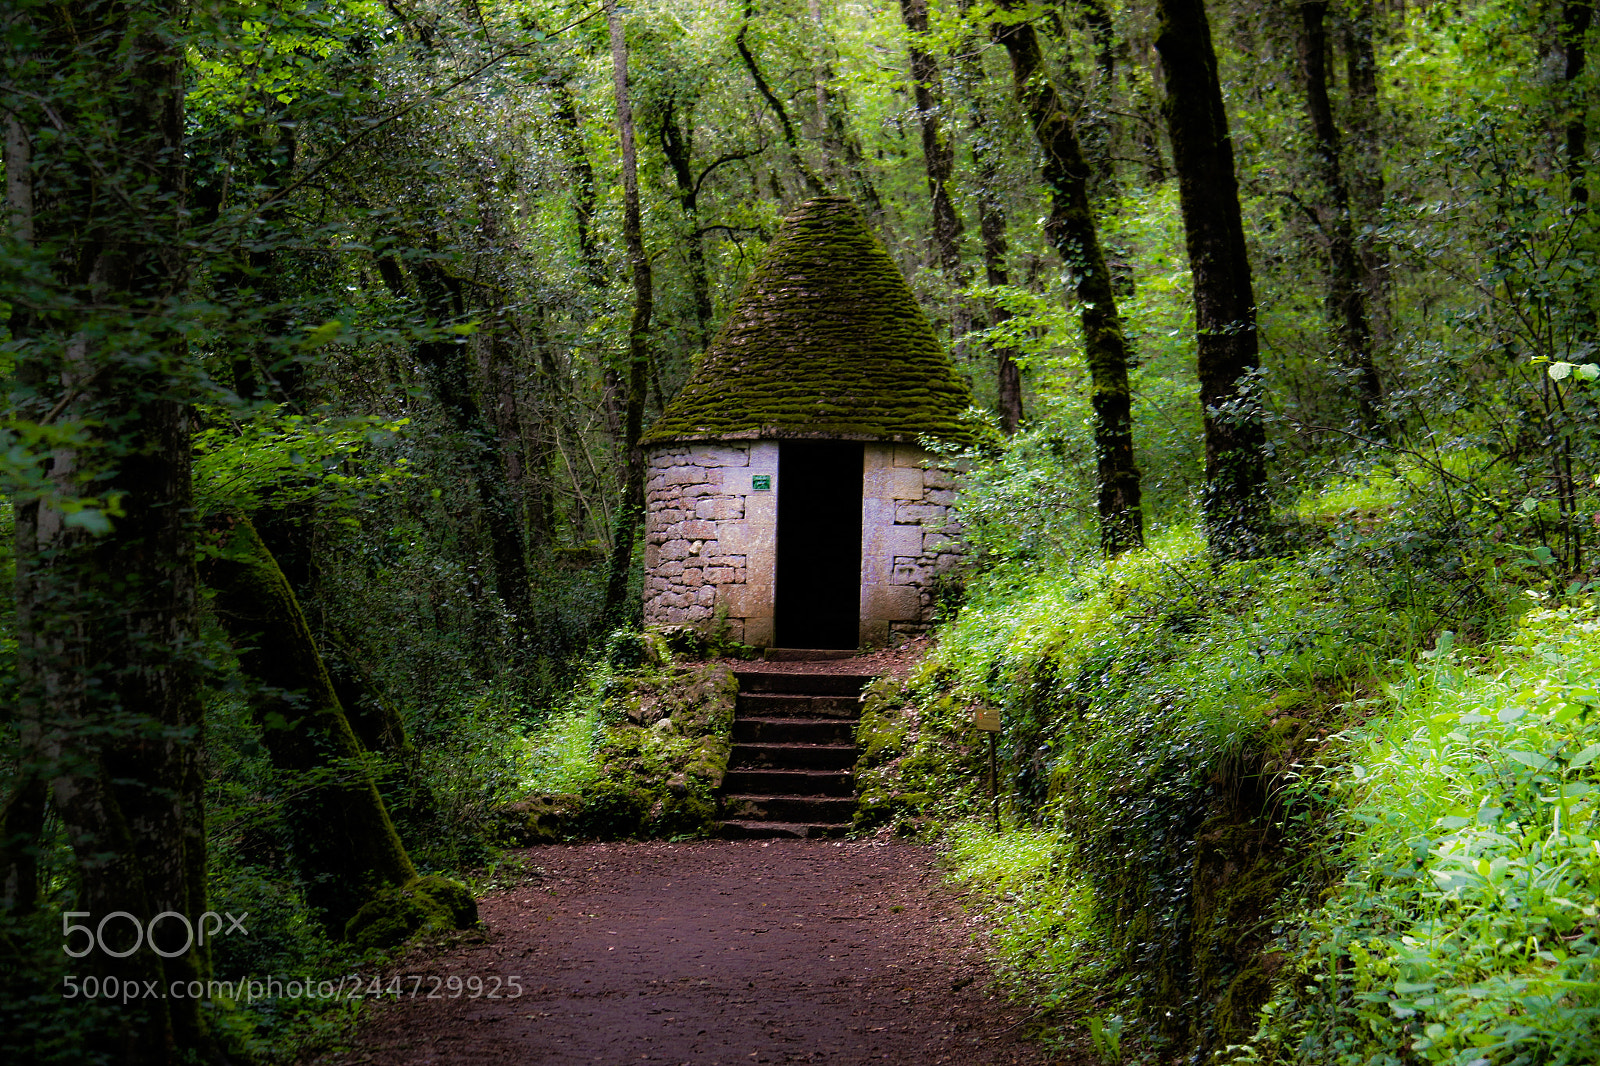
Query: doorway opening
{"points": [[818, 595]]}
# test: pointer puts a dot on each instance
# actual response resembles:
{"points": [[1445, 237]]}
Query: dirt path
{"points": [[714, 954]]}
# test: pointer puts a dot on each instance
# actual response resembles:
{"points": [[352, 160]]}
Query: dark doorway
{"points": [[819, 544]]}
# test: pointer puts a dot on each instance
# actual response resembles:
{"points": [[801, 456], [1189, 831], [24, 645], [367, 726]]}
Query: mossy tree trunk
{"points": [[344, 845], [1346, 298], [108, 704], [1071, 230], [630, 515], [1235, 508]]}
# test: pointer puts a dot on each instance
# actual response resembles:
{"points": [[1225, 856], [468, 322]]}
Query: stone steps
{"points": [[789, 774], [794, 731], [803, 756]]}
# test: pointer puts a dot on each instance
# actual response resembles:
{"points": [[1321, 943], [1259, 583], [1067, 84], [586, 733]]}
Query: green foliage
{"points": [[1462, 927], [276, 458]]}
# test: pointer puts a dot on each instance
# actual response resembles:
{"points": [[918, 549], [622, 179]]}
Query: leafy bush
{"points": [[1464, 926]]}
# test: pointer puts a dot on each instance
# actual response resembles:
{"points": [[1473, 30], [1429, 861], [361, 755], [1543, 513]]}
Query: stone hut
{"points": [[787, 495]]}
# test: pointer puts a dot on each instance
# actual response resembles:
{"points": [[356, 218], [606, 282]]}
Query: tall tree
{"points": [[1346, 295], [986, 158], [1358, 29], [96, 276], [1071, 230], [631, 514], [1576, 15], [938, 150], [1234, 507]]}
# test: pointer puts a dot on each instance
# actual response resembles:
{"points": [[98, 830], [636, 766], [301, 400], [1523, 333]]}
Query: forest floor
{"points": [[713, 954]]}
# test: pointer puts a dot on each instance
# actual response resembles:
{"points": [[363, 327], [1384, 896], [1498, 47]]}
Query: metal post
{"points": [[994, 783]]}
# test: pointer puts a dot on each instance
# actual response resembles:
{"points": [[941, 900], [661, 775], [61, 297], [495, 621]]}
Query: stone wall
{"points": [[711, 538], [908, 540]]}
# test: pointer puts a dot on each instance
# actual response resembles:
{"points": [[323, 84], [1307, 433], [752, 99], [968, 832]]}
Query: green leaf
{"points": [[1529, 758], [90, 519], [1585, 757]]}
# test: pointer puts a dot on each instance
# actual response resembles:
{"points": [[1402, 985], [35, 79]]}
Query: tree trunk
{"points": [[570, 130], [1345, 296], [1071, 230], [1098, 140], [678, 146], [108, 698], [1576, 15], [344, 845], [938, 152], [992, 230], [1366, 171], [1235, 508], [790, 138], [630, 515]]}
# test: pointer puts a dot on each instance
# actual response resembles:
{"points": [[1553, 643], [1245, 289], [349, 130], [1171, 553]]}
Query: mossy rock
{"points": [[396, 914], [537, 820], [614, 809]]}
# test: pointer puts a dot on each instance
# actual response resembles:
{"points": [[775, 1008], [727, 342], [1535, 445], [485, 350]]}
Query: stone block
{"points": [[876, 513], [721, 457], [675, 549], [937, 477], [874, 632], [719, 575], [909, 572], [911, 455], [927, 514], [742, 538], [906, 483], [942, 497], [876, 567], [758, 632], [685, 475], [764, 457], [761, 561], [891, 603], [761, 508], [719, 508], [652, 556], [692, 578], [904, 540], [938, 542], [698, 530]]}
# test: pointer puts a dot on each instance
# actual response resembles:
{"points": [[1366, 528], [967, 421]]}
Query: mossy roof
{"points": [[826, 340]]}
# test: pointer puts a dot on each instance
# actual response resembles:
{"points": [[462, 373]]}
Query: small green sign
{"points": [[760, 482]]}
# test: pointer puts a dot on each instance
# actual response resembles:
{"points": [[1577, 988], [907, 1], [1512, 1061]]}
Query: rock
{"points": [[431, 903]]}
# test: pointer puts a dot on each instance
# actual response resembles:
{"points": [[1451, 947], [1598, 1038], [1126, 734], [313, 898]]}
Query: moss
{"points": [[538, 820], [345, 847], [826, 340], [661, 762], [425, 903]]}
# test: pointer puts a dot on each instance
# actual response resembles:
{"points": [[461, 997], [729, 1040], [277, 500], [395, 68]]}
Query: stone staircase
{"points": [[790, 773]]}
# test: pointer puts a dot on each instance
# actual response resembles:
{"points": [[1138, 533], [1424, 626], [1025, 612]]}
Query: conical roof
{"points": [[826, 340]]}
